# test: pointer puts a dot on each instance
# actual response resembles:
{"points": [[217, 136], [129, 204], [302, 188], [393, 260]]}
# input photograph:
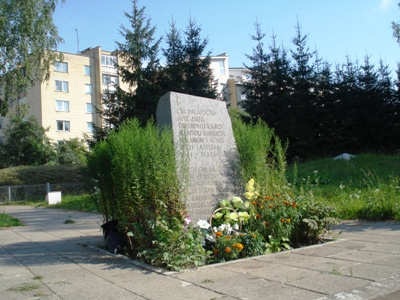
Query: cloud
{"points": [[385, 4]]}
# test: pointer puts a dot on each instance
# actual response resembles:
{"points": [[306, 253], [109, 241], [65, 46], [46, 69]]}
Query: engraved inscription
{"points": [[202, 126]]}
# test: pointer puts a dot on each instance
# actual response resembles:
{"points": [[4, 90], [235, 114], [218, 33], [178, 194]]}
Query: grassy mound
{"points": [[25, 175]]}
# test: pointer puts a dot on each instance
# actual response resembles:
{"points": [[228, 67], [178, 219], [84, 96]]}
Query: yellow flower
{"points": [[244, 216], [248, 195], [237, 202], [250, 186], [217, 216]]}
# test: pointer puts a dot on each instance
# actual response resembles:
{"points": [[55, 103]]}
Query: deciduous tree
{"points": [[28, 39]]}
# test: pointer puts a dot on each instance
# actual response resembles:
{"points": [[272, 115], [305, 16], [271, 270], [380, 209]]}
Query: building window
{"points": [[89, 108], [61, 67], [87, 70], [61, 86], [107, 80], [88, 89], [221, 67], [63, 126], [89, 127], [107, 60], [62, 105]]}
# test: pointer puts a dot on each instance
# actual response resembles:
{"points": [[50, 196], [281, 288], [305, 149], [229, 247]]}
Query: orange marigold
{"points": [[268, 198], [265, 223], [258, 216], [238, 246], [218, 234], [254, 202], [294, 204], [283, 220], [215, 251], [228, 250]]}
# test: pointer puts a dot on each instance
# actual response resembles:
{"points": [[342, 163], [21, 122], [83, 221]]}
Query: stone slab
{"points": [[205, 147]]}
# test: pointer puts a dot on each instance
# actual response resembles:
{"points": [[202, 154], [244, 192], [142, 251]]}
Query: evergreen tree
{"points": [[186, 70], [346, 90], [173, 73], [323, 123], [278, 100], [139, 67], [198, 75], [257, 88], [302, 111], [389, 136], [396, 29]]}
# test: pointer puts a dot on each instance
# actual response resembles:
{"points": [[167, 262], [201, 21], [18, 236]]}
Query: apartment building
{"points": [[229, 81], [66, 103], [219, 66]]}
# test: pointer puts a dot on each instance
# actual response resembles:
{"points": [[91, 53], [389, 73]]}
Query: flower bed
{"points": [[263, 224]]}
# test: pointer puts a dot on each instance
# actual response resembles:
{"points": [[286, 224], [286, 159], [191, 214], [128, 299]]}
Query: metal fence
{"points": [[17, 193]]}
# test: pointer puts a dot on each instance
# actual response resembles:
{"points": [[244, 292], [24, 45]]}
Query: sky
{"points": [[335, 28]]}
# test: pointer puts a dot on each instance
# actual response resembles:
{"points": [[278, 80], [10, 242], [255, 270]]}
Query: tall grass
{"points": [[139, 186], [262, 155], [367, 186]]}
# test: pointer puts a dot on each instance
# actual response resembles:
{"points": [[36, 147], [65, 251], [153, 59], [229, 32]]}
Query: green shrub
{"points": [[262, 155], [137, 179], [176, 246]]}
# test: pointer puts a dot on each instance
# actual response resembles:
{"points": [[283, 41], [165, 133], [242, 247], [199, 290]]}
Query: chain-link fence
{"points": [[16, 193]]}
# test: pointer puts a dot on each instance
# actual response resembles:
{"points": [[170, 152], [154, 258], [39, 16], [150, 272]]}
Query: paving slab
{"points": [[48, 259]]}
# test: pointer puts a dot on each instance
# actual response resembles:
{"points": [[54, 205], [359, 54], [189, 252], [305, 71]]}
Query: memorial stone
{"points": [[203, 130]]}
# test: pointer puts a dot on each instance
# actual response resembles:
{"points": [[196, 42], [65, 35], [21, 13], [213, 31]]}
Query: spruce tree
{"points": [[198, 75], [300, 124], [173, 75], [186, 70], [323, 121], [279, 86], [257, 88], [138, 66]]}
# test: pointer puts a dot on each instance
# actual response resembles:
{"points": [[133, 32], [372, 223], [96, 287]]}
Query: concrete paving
{"points": [[53, 259]]}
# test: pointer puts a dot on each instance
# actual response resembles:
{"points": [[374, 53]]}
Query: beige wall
{"points": [[41, 98], [45, 106]]}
